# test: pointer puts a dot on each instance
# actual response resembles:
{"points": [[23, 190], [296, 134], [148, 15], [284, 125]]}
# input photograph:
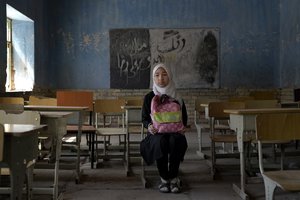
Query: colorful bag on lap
{"points": [[166, 114]]}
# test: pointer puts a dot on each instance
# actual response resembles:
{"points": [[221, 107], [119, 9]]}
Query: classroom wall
{"points": [[79, 37], [289, 43], [259, 44]]}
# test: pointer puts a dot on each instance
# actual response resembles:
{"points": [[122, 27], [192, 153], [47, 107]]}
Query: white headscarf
{"points": [[170, 89]]}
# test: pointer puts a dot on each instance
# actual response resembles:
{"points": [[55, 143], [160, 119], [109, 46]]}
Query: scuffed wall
{"points": [[249, 32]]}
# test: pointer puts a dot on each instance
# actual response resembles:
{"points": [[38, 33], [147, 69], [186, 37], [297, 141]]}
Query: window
{"points": [[20, 51], [10, 86]]}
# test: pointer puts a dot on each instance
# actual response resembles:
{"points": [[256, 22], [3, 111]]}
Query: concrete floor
{"points": [[109, 181]]}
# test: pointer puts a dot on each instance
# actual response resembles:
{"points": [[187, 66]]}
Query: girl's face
{"points": [[161, 77]]}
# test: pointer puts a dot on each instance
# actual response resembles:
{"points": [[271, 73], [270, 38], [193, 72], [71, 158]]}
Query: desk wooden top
{"points": [[55, 108], [19, 130], [261, 111]]}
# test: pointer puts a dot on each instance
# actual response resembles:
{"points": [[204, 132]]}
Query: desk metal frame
{"points": [[243, 121], [132, 115], [56, 118], [20, 148], [56, 109]]}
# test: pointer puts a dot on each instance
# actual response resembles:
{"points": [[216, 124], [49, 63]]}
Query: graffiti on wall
{"points": [[192, 54]]}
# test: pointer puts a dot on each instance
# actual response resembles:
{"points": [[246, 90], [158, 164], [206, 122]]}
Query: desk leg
{"points": [[17, 179], [92, 148], [127, 153], [241, 191], [17, 160], [56, 129], [17, 168], [78, 141], [61, 126]]}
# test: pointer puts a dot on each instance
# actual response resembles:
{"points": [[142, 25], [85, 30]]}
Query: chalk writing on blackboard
{"points": [[192, 54], [129, 58]]}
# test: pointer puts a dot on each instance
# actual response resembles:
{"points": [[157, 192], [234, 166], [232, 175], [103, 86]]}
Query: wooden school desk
{"points": [[20, 148], [71, 109], [57, 123], [243, 122]]}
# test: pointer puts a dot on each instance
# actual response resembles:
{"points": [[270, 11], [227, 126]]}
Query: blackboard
{"points": [[129, 58], [192, 54]]}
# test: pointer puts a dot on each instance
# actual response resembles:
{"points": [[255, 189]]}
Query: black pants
{"points": [[173, 147]]}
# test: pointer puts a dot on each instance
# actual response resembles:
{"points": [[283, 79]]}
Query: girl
{"points": [[166, 148]]}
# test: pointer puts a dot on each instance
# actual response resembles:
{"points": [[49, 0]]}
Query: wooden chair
{"points": [[41, 100], [26, 117], [112, 108], [271, 127], [240, 98], [83, 99], [11, 100], [134, 102], [271, 103], [216, 112], [12, 104], [133, 125], [265, 103], [202, 124], [264, 95], [146, 170]]}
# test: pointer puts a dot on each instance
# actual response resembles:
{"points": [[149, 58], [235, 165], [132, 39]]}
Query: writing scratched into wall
{"points": [[88, 42]]}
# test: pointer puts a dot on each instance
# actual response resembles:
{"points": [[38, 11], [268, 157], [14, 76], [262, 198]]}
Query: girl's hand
{"points": [[151, 129], [182, 131]]}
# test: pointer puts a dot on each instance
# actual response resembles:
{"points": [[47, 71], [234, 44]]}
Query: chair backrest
{"points": [[133, 100], [109, 106], [12, 104], [41, 100], [278, 126], [272, 103], [1, 141], [26, 117], [75, 98], [133, 116], [264, 95], [216, 109], [200, 101], [11, 100], [240, 98]]}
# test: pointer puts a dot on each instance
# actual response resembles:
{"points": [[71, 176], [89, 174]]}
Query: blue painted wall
{"points": [[80, 42], [259, 38], [290, 43]]}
